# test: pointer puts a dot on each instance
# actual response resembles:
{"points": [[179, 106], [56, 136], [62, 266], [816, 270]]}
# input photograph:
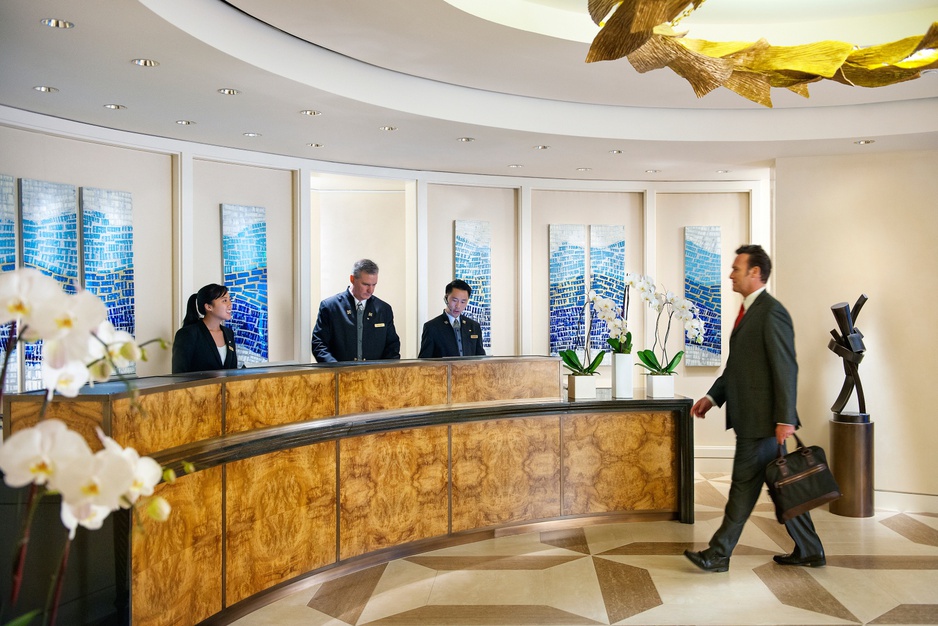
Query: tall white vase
{"points": [[622, 370]]}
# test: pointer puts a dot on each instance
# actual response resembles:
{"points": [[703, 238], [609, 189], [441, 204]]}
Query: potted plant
{"points": [[620, 338], [580, 383], [660, 382]]}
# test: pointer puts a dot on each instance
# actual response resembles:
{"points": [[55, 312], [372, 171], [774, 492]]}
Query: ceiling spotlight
{"points": [[723, 171], [315, 145], [515, 165], [54, 23], [251, 134], [228, 91], [616, 151], [310, 112], [185, 122], [388, 128], [541, 147], [466, 139], [584, 169], [145, 62], [45, 89], [652, 171], [864, 142], [114, 107]]}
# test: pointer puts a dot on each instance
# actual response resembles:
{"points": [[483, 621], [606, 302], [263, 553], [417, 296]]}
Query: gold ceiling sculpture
{"points": [[643, 31]]}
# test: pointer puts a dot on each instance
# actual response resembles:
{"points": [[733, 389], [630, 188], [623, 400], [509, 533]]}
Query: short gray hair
{"points": [[364, 266]]}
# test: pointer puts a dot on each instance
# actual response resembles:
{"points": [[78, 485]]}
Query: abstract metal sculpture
{"points": [[848, 344]]}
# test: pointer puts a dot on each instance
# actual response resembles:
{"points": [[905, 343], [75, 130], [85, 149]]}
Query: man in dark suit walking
{"points": [[452, 333], [354, 325], [759, 387]]}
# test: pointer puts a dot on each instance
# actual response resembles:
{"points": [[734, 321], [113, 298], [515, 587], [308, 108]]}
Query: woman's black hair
{"points": [[195, 308]]}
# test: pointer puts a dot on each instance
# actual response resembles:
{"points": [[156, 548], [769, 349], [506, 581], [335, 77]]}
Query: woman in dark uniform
{"points": [[204, 342]]}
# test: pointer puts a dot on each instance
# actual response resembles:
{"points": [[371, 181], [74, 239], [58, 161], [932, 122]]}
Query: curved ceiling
{"points": [[437, 74]]}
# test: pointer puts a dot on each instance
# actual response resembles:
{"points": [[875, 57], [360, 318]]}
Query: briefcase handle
{"points": [[783, 449]]}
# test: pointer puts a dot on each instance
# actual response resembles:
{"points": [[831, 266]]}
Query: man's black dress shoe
{"points": [[817, 560], [708, 563]]}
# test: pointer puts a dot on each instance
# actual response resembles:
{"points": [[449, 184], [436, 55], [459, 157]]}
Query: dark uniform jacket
{"points": [[335, 337], [439, 338], [194, 350]]}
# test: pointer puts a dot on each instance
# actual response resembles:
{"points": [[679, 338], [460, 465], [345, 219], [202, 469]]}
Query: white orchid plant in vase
{"points": [[668, 306], [79, 346]]}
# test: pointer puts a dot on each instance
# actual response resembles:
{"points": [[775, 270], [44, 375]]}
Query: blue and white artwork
{"points": [[567, 286], [49, 218], [702, 287], [108, 254], [607, 274], [8, 264], [473, 264], [244, 260]]}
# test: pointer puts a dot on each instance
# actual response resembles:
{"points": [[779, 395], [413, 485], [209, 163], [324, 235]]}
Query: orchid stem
{"points": [[55, 592], [19, 563]]}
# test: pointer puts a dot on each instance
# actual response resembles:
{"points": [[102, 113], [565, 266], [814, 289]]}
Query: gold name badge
{"points": [[473, 336], [381, 325]]}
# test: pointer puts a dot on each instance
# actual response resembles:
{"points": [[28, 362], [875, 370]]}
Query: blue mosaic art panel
{"points": [[473, 264], [8, 264], [567, 289], [702, 287], [49, 218], [108, 254], [244, 260], [607, 269]]}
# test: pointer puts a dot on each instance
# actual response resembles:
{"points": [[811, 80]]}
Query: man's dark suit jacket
{"points": [[335, 337], [439, 339], [760, 382], [194, 350]]}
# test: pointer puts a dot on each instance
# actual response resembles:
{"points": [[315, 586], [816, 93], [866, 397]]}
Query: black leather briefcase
{"points": [[800, 481]]}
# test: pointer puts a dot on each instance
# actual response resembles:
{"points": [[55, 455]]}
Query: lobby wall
{"points": [[866, 224]]}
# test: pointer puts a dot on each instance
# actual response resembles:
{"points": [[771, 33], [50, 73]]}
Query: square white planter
{"points": [[659, 386], [581, 387]]}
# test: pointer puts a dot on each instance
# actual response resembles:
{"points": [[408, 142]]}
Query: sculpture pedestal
{"points": [[851, 461]]}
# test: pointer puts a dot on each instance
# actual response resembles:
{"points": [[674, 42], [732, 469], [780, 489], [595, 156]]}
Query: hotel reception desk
{"points": [[300, 469]]}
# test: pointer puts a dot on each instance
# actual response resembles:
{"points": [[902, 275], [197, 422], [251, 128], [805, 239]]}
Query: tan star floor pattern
{"points": [[880, 570]]}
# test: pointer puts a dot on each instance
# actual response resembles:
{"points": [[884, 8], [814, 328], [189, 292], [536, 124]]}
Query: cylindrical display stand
{"points": [[851, 461]]}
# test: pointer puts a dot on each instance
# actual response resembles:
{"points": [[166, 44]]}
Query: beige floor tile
{"points": [[404, 586], [573, 588]]}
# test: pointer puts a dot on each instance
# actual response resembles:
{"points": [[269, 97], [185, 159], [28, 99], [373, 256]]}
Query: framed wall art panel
{"points": [[244, 260], [473, 264], [567, 289], [702, 287]]}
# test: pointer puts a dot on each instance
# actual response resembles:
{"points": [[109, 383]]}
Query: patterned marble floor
{"points": [[880, 570]]}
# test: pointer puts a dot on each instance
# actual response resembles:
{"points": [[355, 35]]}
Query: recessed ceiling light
{"points": [[615, 151], [864, 142], [185, 122], [584, 169], [541, 147], [54, 23], [251, 134], [114, 107], [515, 165], [145, 62], [228, 91], [315, 145], [466, 139], [310, 112], [652, 171], [723, 171], [387, 128], [45, 89]]}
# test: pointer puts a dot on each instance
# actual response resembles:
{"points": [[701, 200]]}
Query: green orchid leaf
{"points": [[673, 364], [571, 361], [24, 619], [649, 361], [599, 359]]}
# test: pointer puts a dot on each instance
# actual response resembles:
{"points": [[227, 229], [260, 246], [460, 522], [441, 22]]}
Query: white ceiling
{"points": [[438, 73]]}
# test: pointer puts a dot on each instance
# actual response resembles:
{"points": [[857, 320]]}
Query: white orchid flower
{"points": [[66, 380], [37, 454], [25, 292], [89, 516], [632, 280], [118, 346], [102, 482], [72, 323], [146, 472]]}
